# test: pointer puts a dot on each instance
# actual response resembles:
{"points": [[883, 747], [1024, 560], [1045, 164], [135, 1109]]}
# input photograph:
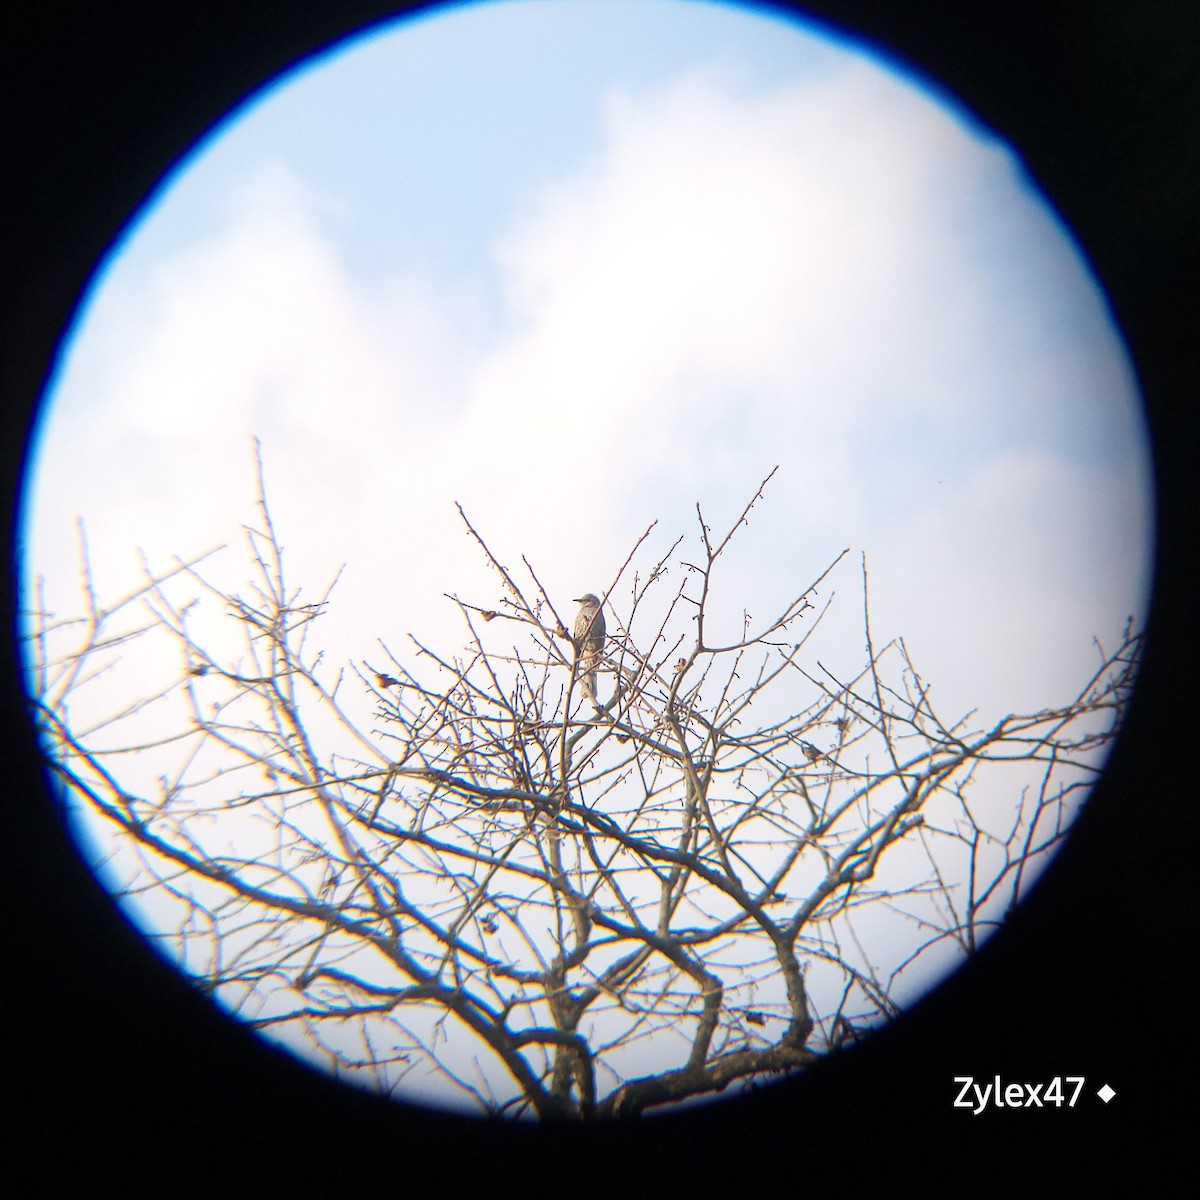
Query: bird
{"points": [[588, 640], [811, 752]]}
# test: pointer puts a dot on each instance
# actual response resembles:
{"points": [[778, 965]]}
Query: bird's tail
{"points": [[588, 673]]}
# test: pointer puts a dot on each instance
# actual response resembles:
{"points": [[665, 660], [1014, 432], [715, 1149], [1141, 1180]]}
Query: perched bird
{"points": [[588, 640]]}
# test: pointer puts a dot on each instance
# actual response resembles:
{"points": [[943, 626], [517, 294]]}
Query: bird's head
{"points": [[588, 598]]}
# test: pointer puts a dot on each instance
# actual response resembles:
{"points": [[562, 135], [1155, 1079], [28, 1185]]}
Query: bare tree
{"points": [[500, 891]]}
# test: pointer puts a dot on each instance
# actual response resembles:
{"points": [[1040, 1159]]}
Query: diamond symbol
{"points": [[1106, 1093]]}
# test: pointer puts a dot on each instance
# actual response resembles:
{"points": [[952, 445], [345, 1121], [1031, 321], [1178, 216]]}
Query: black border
{"points": [[123, 1074]]}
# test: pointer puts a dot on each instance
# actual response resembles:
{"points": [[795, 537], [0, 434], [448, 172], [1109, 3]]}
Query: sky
{"points": [[579, 267]]}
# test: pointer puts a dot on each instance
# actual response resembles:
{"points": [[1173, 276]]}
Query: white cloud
{"points": [[999, 592], [734, 280]]}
